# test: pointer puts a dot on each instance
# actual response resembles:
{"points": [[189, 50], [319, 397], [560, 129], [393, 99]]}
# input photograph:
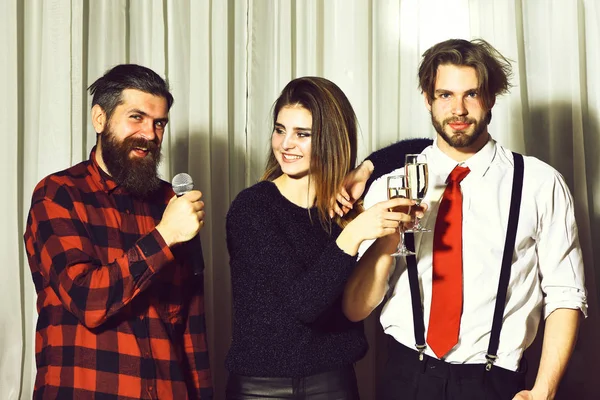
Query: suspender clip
{"points": [[490, 361], [421, 349]]}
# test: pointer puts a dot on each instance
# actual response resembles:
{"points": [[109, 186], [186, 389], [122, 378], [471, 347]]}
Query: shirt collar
{"points": [[478, 163], [104, 180]]}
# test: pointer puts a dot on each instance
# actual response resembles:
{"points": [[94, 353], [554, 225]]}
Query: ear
{"points": [[427, 101], [98, 119]]}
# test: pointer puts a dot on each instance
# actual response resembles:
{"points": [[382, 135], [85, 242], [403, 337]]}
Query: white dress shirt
{"points": [[547, 267]]}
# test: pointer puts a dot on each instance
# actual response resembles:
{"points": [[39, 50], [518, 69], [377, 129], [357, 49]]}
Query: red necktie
{"points": [[446, 292]]}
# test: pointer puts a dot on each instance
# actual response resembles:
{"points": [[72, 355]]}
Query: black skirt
{"points": [[339, 384]]}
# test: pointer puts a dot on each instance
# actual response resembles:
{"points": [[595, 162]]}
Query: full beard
{"points": [[137, 175], [460, 139]]}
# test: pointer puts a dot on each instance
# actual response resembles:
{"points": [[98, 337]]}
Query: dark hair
{"points": [[107, 90], [493, 69], [333, 138]]}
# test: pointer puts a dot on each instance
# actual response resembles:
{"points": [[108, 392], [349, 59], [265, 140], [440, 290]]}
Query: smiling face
{"points": [[457, 112], [129, 145], [291, 141]]}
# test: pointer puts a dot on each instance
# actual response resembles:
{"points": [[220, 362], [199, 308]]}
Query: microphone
{"points": [[183, 183]]}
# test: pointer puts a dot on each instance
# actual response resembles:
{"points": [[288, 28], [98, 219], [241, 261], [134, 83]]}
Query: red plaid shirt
{"points": [[120, 314]]}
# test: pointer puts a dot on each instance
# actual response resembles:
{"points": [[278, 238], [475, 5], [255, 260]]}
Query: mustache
{"points": [[133, 142], [463, 120]]}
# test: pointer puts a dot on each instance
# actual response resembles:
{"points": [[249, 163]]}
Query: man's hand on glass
{"points": [[352, 189]]}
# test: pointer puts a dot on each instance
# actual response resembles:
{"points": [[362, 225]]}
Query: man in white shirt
{"points": [[460, 81]]}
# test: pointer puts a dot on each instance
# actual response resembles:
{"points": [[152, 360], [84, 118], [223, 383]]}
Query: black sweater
{"points": [[288, 276]]}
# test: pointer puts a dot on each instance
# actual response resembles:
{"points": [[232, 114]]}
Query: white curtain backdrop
{"points": [[226, 62]]}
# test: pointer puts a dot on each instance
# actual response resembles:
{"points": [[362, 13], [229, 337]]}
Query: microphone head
{"points": [[182, 183]]}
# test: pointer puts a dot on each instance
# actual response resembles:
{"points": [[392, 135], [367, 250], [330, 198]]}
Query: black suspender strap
{"points": [[509, 245], [415, 296]]}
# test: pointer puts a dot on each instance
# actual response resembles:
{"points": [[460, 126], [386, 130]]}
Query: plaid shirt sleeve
{"points": [[63, 248]]}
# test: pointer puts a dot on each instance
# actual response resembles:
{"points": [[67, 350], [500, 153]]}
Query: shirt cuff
{"points": [[152, 252], [571, 298]]}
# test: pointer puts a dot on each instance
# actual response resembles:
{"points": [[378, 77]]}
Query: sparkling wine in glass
{"points": [[417, 178], [397, 187]]}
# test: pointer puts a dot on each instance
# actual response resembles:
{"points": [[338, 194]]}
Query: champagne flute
{"points": [[417, 179], [397, 187]]}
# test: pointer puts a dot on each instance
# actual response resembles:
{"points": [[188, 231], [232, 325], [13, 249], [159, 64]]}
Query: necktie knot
{"points": [[458, 174]]}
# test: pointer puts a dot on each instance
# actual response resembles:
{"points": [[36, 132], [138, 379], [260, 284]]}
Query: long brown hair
{"points": [[493, 69], [333, 139]]}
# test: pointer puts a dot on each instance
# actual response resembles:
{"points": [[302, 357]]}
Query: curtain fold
{"points": [[11, 327], [227, 61]]}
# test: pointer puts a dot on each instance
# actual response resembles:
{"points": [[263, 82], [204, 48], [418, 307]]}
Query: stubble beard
{"points": [[460, 139]]}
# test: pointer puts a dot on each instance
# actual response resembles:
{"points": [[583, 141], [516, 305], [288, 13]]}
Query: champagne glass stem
{"points": [[402, 244], [401, 249], [417, 219]]}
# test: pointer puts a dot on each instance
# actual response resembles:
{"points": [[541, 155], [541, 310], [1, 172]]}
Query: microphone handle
{"points": [[196, 255], [195, 252]]}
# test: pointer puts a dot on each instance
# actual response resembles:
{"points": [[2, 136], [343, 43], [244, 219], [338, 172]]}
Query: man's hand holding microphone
{"points": [[183, 218]]}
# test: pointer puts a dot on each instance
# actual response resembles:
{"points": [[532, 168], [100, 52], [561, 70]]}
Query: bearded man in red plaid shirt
{"points": [[121, 313]]}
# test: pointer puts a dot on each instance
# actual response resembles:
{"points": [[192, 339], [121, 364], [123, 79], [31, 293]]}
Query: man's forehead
{"points": [[133, 99], [449, 76]]}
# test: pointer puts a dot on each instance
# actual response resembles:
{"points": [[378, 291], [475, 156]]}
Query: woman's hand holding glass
{"points": [[397, 188], [380, 220], [373, 223]]}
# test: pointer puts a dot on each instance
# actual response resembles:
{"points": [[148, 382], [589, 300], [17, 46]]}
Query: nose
{"points": [[458, 106], [148, 130], [288, 142]]}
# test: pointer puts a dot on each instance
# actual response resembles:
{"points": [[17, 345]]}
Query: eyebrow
{"points": [[280, 125], [443, 91], [145, 114]]}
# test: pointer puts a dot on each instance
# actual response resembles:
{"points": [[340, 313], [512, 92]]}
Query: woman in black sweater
{"points": [[290, 259]]}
